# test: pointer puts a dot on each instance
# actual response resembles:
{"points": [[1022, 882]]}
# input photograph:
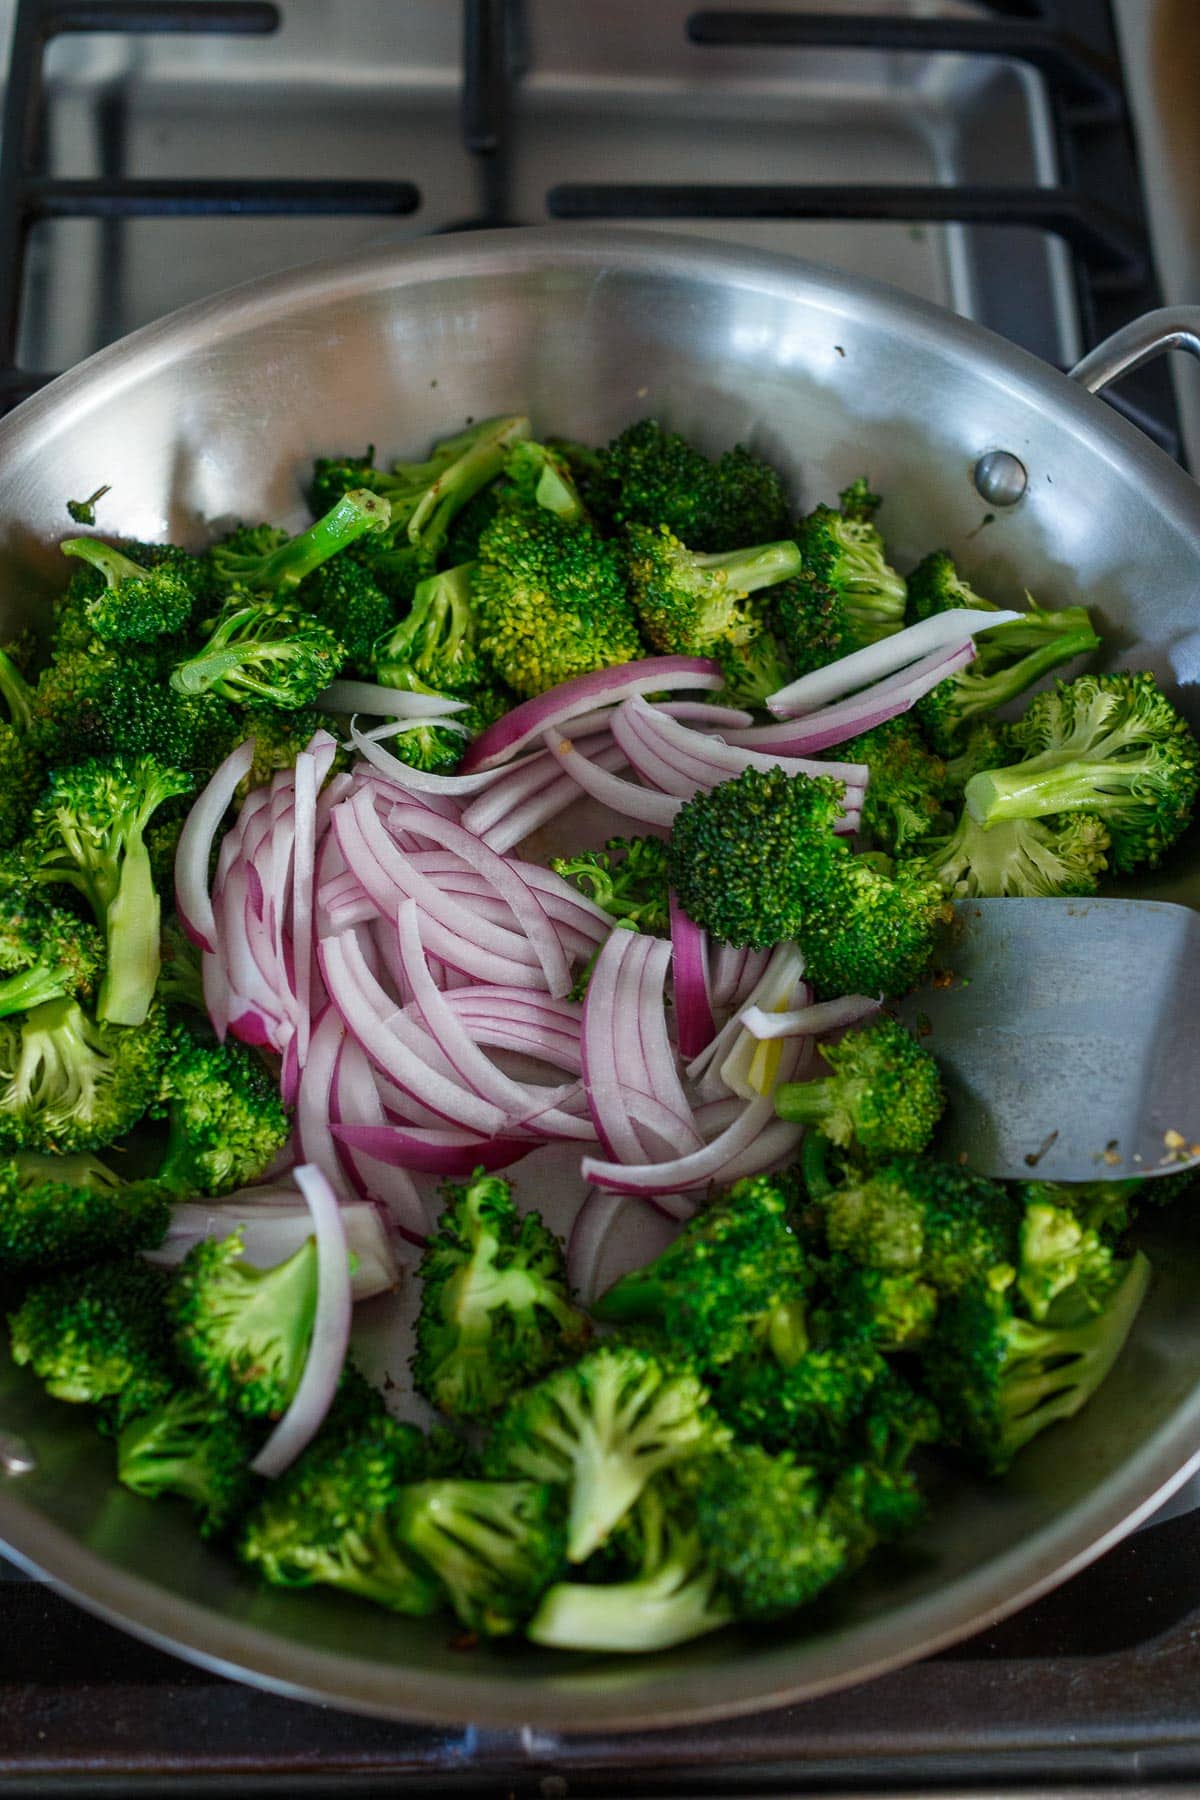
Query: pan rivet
{"points": [[16, 1457], [1001, 478]]}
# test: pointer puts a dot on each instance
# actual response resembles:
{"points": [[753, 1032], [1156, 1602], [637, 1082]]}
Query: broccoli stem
{"points": [[641, 1615], [806, 1102], [113, 564], [32, 987], [984, 693], [747, 571], [1033, 629], [1026, 792], [357, 512], [445, 497], [17, 693], [133, 925]]}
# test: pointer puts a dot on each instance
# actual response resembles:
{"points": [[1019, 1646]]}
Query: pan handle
{"points": [[1170, 328]]}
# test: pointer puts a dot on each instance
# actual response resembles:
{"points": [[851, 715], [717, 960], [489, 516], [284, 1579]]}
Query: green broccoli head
{"points": [[766, 1528], [865, 930], [936, 586], [1064, 854], [135, 605], [738, 856], [1112, 745], [496, 1311], [329, 1519], [940, 1222], [1066, 1268], [279, 737], [96, 1335], [89, 834], [57, 1211], [495, 1546], [756, 669], [102, 698], [817, 1406], [190, 1446], [844, 552], [536, 475], [437, 642], [884, 1094], [226, 1120], [604, 1427], [264, 654], [46, 952], [1107, 1208], [650, 476], [69, 1083], [999, 1379], [345, 597], [735, 1271], [690, 602], [550, 600], [628, 878], [907, 788], [871, 1307], [971, 695], [243, 1333], [666, 1590]]}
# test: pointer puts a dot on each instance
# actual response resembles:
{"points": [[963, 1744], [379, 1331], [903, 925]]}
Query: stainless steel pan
{"points": [[213, 413]]}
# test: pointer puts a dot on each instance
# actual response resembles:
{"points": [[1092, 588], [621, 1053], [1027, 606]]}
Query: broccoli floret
{"points": [[262, 653], [987, 745], [262, 560], [907, 789], [936, 586], [59, 1210], [15, 692], [687, 601], [84, 511], [22, 772], [535, 475], [865, 930], [68, 1083], [736, 858], [931, 1219], [1066, 1269], [766, 1527], [604, 1427], [1063, 854], [279, 737], [190, 1446], [819, 1405], [104, 698], [885, 1092], [733, 1279], [329, 1520], [226, 1120], [243, 1333], [495, 1546], [437, 745], [844, 552], [1112, 745], [550, 600], [496, 1311], [671, 1595], [649, 476], [135, 604], [46, 952], [949, 710], [754, 670], [628, 878], [88, 833], [1108, 1207], [95, 1335], [344, 596], [871, 1307], [999, 1379], [437, 641]]}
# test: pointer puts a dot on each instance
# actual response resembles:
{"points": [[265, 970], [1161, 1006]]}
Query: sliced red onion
{"points": [[356, 1099], [385, 792], [694, 1023], [612, 996], [736, 972], [559, 794], [808, 1021], [433, 1150], [686, 1172], [402, 775], [274, 1229], [372, 1019], [330, 1332], [196, 842], [774, 1145], [522, 900], [302, 895], [861, 712], [889, 654], [523, 779], [387, 702], [314, 1101], [623, 796], [590, 1232], [602, 687], [701, 761], [777, 983]]}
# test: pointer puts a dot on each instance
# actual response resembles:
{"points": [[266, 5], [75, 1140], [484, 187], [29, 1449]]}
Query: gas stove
{"points": [[981, 156]]}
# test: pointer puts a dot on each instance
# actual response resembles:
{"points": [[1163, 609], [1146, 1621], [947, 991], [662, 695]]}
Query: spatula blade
{"points": [[1069, 1037]]}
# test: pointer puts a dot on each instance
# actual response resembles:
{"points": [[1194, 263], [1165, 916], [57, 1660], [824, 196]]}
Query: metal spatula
{"points": [[1068, 1032]]}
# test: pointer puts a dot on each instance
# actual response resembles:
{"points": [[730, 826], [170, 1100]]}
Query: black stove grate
{"points": [[1097, 208]]}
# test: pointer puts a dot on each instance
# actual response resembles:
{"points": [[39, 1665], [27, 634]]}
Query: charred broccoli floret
{"points": [[884, 1093], [496, 1311], [1110, 745]]}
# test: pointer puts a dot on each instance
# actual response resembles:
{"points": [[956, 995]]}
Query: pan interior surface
{"points": [[213, 416]]}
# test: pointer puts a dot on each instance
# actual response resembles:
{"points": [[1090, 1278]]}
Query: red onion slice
{"points": [[590, 1232], [702, 761], [302, 895], [622, 796], [433, 1150], [274, 1228], [314, 1101], [523, 779], [808, 1021], [612, 995], [330, 1332], [849, 673], [862, 712], [559, 793], [402, 775], [602, 687], [196, 842], [694, 1023], [387, 702], [686, 1172]]}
